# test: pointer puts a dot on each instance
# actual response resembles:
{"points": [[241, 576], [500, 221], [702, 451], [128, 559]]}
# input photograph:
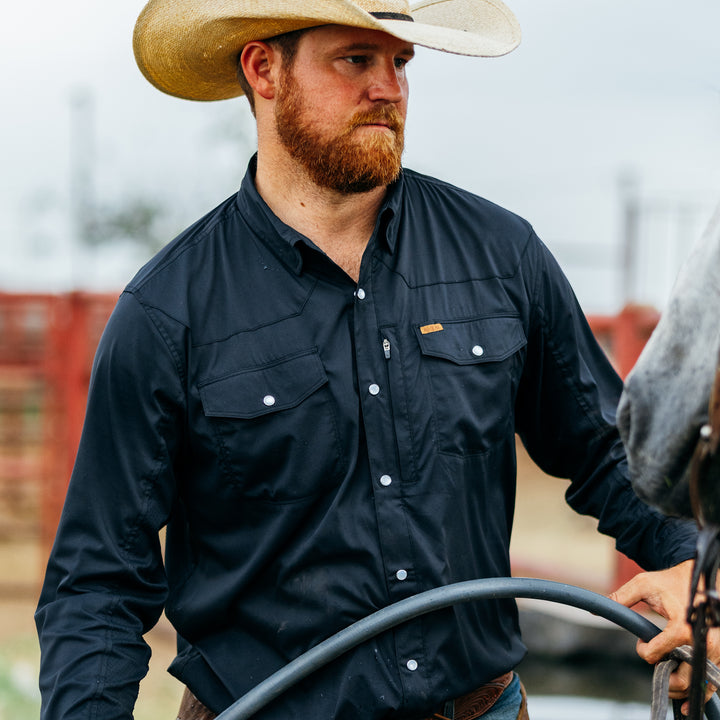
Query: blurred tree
{"points": [[136, 220]]}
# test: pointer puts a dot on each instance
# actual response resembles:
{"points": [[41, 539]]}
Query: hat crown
{"points": [[189, 48]]}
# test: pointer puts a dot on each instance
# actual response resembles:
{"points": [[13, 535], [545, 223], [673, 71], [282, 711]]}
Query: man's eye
{"points": [[356, 59]]}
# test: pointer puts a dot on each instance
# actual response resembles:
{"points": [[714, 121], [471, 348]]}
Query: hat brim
{"points": [[190, 49]]}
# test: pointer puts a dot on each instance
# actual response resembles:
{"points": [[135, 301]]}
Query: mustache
{"points": [[384, 115]]}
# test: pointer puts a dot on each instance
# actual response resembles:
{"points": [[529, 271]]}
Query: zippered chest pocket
{"points": [[276, 428], [474, 368]]}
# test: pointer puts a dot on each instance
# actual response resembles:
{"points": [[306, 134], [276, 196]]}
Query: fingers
{"points": [[713, 654], [676, 633], [632, 592], [680, 682], [679, 687], [713, 645], [681, 679], [667, 593]]}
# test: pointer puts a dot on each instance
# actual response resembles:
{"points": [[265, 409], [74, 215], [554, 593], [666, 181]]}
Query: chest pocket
{"points": [[474, 368], [276, 428]]}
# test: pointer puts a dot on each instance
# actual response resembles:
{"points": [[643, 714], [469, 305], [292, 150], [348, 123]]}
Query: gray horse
{"points": [[665, 401]]}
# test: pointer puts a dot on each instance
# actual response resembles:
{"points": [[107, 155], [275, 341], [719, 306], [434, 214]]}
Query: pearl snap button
{"points": [[401, 574], [477, 351], [269, 400], [411, 665], [385, 480], [360, 294], [374, 389]]}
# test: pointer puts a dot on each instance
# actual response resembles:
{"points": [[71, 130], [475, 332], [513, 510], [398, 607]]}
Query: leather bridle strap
{"points": [[704, 606], [705, 466]]}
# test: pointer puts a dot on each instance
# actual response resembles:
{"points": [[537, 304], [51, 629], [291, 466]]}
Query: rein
{"points": [[704, 607]]}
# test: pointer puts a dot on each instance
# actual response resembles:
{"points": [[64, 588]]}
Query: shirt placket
{"points": [[373, 353]]}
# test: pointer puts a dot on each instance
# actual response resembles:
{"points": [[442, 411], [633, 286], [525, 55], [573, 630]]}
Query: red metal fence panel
{"points": [[46, 347]]}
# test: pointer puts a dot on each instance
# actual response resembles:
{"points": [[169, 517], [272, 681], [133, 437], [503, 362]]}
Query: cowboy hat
{"points": [[189, 48]]}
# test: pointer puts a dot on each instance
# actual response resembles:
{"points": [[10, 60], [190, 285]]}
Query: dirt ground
{"points": [[549, 541], [552, 541], [20, 573]]}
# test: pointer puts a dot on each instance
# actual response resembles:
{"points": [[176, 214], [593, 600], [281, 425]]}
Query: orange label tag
{"points": [[427, 329]]}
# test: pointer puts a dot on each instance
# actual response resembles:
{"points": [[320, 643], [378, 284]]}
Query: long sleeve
{"points": [[105, 584], [566, 419]]}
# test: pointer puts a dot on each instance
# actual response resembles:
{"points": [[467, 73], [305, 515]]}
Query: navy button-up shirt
{"points": [[319, 449]]}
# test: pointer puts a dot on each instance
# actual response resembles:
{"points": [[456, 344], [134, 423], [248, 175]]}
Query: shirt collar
{"points": [[284, 240], [389, 215]]}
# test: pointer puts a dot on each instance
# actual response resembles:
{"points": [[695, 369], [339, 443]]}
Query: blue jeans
{"points": [[508, 705]]}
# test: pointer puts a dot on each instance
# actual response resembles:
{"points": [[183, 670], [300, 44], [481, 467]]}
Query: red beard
{"points": [[346, 163]]}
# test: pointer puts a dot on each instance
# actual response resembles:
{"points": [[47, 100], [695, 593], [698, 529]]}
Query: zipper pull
{"points": [[386, 348]]}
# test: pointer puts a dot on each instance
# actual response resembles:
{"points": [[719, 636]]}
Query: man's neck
{"points": [[340, 224]]}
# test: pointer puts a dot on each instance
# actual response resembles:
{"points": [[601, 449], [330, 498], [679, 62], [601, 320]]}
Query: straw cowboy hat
{"points": [[189, 48]]}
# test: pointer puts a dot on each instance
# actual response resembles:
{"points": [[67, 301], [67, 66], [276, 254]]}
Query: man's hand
{"points": [[667, 592]]}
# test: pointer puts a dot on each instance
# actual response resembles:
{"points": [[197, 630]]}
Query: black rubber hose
{"points": [[392, 615]]}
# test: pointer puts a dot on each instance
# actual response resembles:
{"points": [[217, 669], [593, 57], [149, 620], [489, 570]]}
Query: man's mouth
{"points": [[388, 119], [379, 126]]}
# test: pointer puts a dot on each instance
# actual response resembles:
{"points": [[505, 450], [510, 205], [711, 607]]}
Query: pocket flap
{"points": [[267, 389], [467, 342]]}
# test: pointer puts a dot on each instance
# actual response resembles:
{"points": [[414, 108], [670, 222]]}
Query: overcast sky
{"points": [[597, 91]]}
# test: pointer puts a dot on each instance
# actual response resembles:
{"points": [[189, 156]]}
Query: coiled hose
{"points": [[422, 603]]}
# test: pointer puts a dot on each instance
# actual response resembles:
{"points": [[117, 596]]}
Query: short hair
{"points": [[286, 44]]}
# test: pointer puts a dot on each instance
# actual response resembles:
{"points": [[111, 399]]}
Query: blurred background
{"points": [[604, 104], [602, 129]]}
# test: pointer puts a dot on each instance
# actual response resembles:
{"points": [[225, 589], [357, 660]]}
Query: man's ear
{"points": [[260, 63]]}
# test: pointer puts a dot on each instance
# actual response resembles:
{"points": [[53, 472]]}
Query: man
{"points": [[317, 387]]}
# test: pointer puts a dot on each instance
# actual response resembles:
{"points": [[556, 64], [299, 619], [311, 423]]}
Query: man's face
{"points": [[341, 107]]}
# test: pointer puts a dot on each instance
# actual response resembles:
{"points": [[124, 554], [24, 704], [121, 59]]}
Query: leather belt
{"points": [[192, 709], [476, 703], [468, 707]]}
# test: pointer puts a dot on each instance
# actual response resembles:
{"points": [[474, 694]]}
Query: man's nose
{"points": [[388, 83]]}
